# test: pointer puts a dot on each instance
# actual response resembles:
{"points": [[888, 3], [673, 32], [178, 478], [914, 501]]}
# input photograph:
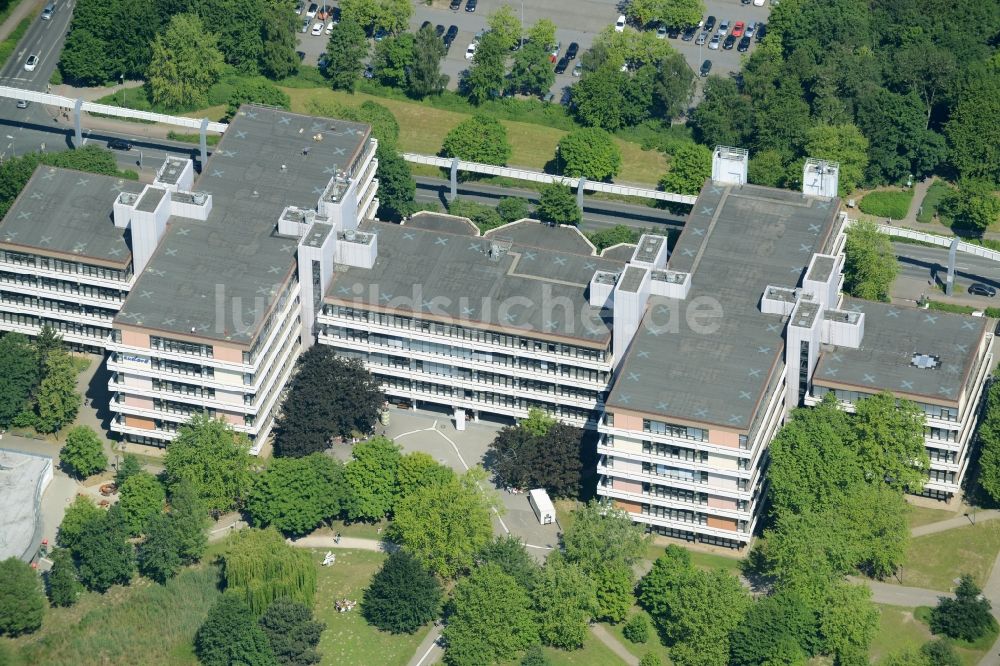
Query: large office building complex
{"points": [[684, 360]]}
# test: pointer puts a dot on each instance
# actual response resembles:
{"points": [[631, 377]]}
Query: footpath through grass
{"points": [[640, 649], [422, 129], [936, 560]]}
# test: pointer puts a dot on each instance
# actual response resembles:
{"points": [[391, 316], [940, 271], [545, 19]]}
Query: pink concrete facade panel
{"points": [[133, 339], [232, 419], [628, 422], [722, 523], [723, 438], [628, 486], [140, 402], [721, 502], [227, 354], [631, 507]]}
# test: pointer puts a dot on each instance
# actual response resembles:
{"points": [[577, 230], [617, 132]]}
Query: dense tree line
{"points": [[887, 88], [539, 452], [109, 39]]}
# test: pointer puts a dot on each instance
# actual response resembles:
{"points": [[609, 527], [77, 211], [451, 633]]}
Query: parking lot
{"points": [[586, 20]]}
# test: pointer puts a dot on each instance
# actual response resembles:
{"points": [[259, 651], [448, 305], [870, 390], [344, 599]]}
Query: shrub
{"points": [[894, 205], [932, 201], [637, 629]]}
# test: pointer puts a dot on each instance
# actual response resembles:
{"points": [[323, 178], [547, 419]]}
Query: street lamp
{"points": [[10, 146], [522, 24], [123, 89]]}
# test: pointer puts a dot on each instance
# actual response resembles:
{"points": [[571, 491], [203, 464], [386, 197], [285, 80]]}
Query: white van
{"points": [[620, 23], [542, 506]]}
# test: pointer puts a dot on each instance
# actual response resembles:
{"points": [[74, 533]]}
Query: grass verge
{"points": [[593, 653], [922, 515], [932, 201], [423, 129], [936, 560], [901, 628], [640, 649], [348, 639], [144, 623], [8, 45], [887, 203]]}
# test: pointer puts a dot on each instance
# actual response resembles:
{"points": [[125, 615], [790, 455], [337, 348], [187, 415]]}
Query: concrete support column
{"points": [[454, 179], [459, 418], [204, 142], [579, 192], [77, 106], [949, 284]]}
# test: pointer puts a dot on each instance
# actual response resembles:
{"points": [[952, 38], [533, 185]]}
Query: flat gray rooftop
{"points": [[451, 224], [620, 252], [452, 278], [821, 269], [66, 213], [218, 279], [150, 199], [649, 247], [632, 279], [23, 478], [908, 351], [562, 238], [737, 241]]}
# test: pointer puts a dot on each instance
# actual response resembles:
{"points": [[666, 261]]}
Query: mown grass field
{"points": [[936, 560]]}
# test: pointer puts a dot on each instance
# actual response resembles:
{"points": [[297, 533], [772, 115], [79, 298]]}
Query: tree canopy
{"points": [[185, 62], [231, 635], [330, 396], [403, 596], [557, 204], [103, 553], [372, 475], [973, 206], [292, 633], [83, 454], [19, 375], [295, 495], [140, 498], [345, 52], [22, 603], [260, 568], [550, 458], [425, 77], [967, 616], [870, 267], [58, 399], [690, 167], [590, 152], [214, 458], [480, 138]]}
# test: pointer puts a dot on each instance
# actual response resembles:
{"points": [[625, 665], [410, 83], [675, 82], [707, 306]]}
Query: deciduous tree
{"points": [[590, 152], [292, 633], [973, 132], [848, 622], [844, 144], [295, 495], [484, 80], [61, 582], [391, 16], [128, 466], [392, 59], [690, 167], [445, 525], [557, 204], [490, 621], [345, 52], [104, 555], [396, 187], [329, 397], [889, 441], [532, 73], [186, 61], [230, 635], [508, 553], [667, 12], [159, 554], [19, 375], [83, 454], [480, 138], [189, 516], [372, 476], [58, 400], [78, 514], [617, 234], [512, 209], [549, 459], [870, 267], [967, 616], [22, 603], [140, 498], [565, 602], [418, 470], [973, 207], [260, 568], [425, 70], [214, 458], [506, 25], [403, 596]]}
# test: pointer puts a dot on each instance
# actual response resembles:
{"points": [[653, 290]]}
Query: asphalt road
{"points": [[929, 263], [597, 214]]}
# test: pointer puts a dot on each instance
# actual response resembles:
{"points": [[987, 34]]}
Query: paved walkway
{"points": [[350, 543], [429, 651], [952, 523], [991, 590], [900, 595], [614, 644]]}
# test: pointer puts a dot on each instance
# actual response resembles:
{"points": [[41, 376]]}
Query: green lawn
{"points": [[423, 128], [593, 653], [935, 560], [901, 628], [700, 559], [359, 530], [144, 623], [929, 206], [348, 639], [887, 203], [640, 649], [921, 515]]}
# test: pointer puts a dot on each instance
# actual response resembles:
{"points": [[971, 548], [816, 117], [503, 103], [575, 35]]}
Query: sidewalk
{"points": [[614, 645], [429, 651], [952, 523], [350, 543], [21, 12], [991, 590]]}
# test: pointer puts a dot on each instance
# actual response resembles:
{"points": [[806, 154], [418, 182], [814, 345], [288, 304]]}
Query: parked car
{"points": [[427, 23], [620, 23], [439, 29], [674, 32], [761, 31], [554, 53], [313, 9], [661, 32], [980, 289], [729, 43], [562, 65], [470, 5], [577, 69], [31, 63], [381, 34], [470, 51], [714, 44], [758, 3], [739, 28], [701, 39], [329, 27], [455, 5], [369, 72], [689, 34], [751, 27], [724, 28], [119, 144], [299, 8], [305, 24], [22, 104], [745, 2], [49, 10], [709, 24], [572, 50], [744, 44], [450, 36], [706, 67], [317, 29]]}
